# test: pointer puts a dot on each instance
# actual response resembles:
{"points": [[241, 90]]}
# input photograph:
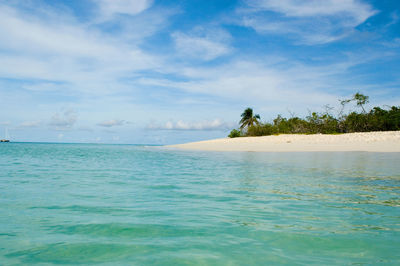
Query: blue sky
{"points": [[142, 71]]}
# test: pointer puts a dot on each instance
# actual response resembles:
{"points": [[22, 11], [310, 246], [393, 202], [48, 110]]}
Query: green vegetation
{"points": [[235, 133], [377, 119]]}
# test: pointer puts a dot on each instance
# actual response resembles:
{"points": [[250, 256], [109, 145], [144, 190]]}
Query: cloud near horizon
{"points": [[63, 121], [30, 124], [112, 123], [216, 124]]}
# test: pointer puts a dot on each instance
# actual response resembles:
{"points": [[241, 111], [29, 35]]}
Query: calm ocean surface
{"points": [[137, 205]]}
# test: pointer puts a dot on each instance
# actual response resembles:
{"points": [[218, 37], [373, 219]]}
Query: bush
{"points": [[356, 122], [261, 130], [234, 133], [297, 125]]}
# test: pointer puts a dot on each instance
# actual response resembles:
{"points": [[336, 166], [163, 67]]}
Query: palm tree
{"points": [[248, 119]]}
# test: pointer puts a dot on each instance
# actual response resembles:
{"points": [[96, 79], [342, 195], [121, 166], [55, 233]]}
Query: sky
{"points": [[163, 72]]}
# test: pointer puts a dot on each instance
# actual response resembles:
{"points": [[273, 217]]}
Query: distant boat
{"points": [[6, 138]]}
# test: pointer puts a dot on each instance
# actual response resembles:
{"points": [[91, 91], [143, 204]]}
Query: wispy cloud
{"points": [[265, 82], [308, 22], [129, 7], [216, 124], [112, 123], [202, 44], [356, 10], [46, 87], [85, 57], [30, 124], [85, 129]]}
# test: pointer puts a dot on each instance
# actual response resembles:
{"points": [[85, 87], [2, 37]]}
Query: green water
{"points": [[136, 205]]}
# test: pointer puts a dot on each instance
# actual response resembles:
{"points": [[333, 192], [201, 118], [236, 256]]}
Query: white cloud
{"points": [[63, 121], [48, 37], [30, 124], [393, 43], [355, 9], [202, 44], [129, 7], [85, 128], [309, 22], [72, 53], [216, 124], [45, 87], [395, 18], [73, 57], [273, 84], [112, 123]]}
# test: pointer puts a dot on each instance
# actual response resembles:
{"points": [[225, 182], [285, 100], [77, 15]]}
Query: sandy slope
{"points": [[388, 141]]}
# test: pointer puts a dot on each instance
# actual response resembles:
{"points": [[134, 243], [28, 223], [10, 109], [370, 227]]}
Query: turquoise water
{"points": [[137, 205]]}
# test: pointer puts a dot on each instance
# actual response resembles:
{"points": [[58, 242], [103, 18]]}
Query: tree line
{"points": [[377, 119]]}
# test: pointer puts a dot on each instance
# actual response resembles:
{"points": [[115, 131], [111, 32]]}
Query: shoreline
{"points": [[378, 141]]}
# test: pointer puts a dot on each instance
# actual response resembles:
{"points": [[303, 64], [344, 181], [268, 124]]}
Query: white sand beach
{"points": [[388, 141]]}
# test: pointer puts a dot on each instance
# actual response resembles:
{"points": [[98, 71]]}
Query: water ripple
{"points": [[124, 205]]}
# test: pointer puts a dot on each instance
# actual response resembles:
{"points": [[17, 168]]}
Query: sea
{"points": [[94, 204]]}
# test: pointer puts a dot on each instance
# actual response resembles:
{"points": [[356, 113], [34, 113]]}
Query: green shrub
{"points": [[235, 133], [297, 125], [261, 130]]}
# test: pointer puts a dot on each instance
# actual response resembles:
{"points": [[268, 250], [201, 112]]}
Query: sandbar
{"points": [[387, 141]]}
